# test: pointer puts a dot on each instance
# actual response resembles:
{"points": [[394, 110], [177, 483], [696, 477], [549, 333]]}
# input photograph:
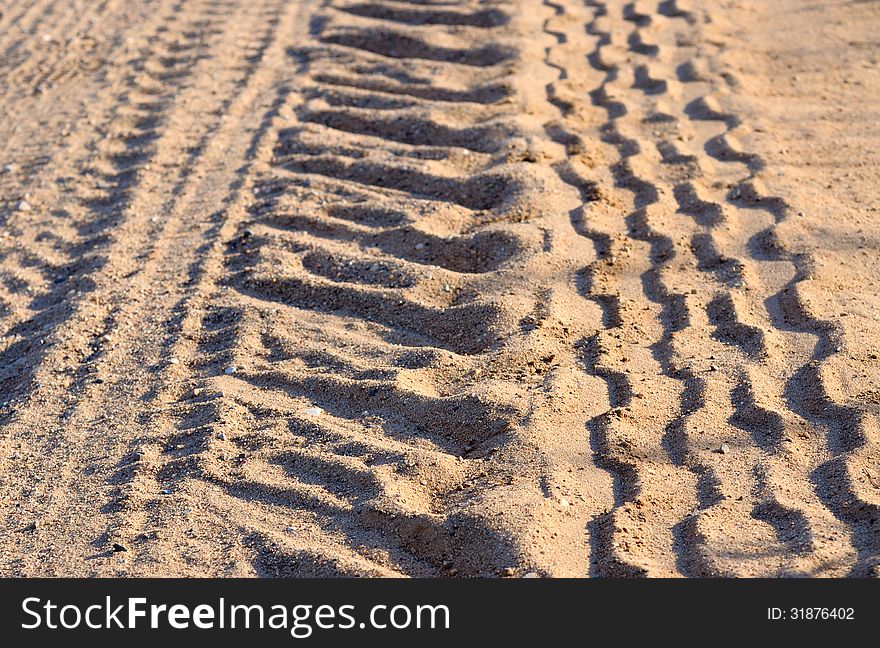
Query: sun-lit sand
{"points": [[439, 288]]}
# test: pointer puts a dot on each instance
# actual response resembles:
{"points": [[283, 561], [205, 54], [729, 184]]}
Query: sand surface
{"points": [[439, 287]]}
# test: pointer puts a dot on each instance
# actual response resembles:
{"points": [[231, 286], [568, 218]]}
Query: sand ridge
{"points": [[438, 288]]}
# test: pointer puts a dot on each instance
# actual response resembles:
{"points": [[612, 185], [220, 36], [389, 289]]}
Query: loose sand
{"points": [[439, 287]]}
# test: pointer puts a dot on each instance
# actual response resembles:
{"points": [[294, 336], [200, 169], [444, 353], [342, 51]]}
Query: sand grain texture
{"points": [[439, 288]]}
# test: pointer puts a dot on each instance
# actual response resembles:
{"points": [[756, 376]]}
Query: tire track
{"points": [[397, 466], [800, 524], [636, 536], [801, 520], [127, 210], [54, 259]]}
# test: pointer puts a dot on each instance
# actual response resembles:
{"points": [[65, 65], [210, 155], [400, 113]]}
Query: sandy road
{"points": [[439, 288]]}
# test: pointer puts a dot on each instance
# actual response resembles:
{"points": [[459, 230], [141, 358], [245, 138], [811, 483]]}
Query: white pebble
{"points": [[230, 370], [313, 411]]}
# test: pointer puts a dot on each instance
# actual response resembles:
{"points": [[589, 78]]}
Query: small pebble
{"points": [[313, 411], [24, 205], [173, 361], [165, 491], [531, 575], [508, 571], [230, 370], [118, 547], [724, 449]]}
